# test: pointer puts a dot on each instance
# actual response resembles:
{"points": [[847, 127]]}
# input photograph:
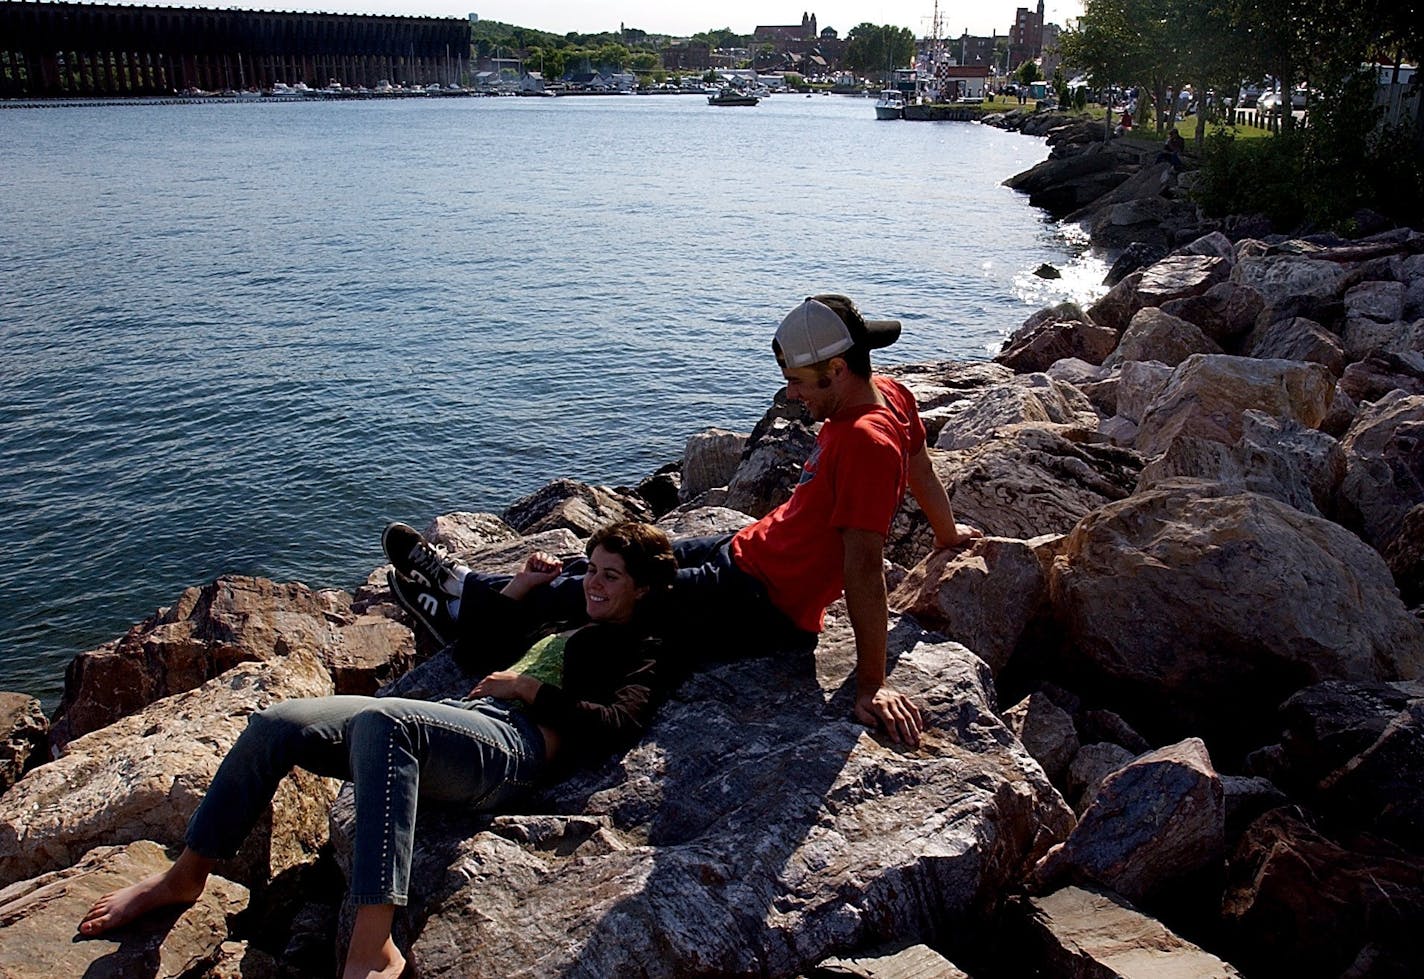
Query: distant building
{"points": [[970, 50], [805, 31], [1026, 36], [687, 56]]}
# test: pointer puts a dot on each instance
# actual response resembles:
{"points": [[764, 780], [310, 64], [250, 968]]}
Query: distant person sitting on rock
{"points": [[1124, 123], [766, 587], [1172, 150], [569, 697]]}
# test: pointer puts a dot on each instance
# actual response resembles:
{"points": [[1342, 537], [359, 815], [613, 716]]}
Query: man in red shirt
{"points": [[766, 588], [831, 534]]}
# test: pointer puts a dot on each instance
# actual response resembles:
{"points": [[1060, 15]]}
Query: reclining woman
{"points": [[568, 697]]}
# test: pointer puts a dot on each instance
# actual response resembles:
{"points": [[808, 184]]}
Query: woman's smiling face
{"points": [[609, 591]]}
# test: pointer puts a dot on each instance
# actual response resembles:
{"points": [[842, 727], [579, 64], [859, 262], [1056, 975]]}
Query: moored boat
{"points": [[728, 96], [890, 105]]}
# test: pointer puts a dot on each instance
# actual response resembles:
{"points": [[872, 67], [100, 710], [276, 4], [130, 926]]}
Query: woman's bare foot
{"points": [[372, 954], [389, 965], [182, 883]]}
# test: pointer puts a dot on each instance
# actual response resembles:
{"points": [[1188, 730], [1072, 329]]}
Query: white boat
{"points": [[890, 105]]}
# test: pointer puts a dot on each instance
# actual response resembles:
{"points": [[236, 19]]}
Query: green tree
{"points": [[1027, 73], [643, 62], [878, 48]]}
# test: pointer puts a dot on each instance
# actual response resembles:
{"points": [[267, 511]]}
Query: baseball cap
{"points": [[827, 326]]}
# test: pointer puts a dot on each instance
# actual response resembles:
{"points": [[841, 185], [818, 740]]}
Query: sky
{"points": [[680, 19]]}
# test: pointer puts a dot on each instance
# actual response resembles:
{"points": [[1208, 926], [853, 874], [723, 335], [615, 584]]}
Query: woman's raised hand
{"points": [[540, 568]]}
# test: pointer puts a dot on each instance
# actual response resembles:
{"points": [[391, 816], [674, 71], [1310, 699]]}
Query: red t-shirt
{"points": [[854, 480]]}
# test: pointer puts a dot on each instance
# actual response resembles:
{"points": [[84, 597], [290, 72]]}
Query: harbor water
{"points": [[243, 337]]}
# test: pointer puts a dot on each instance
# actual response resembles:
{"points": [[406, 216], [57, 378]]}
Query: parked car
{"points": [[1250, 92], [1269, 104]]}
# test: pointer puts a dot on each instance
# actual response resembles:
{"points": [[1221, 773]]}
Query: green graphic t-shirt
{"points": [[545, 660]]}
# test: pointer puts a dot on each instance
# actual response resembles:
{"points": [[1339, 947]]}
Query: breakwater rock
{"points": [[1177, 688]]}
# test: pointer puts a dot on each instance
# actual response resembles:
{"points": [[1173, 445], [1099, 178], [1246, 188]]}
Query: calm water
{"points": [[241, 338]]}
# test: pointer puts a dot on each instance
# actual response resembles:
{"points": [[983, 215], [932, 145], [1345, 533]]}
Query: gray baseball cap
{"points": [[827, 326]]}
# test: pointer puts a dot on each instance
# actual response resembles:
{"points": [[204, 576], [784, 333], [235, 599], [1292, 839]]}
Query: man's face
{"points": [[814, 387]]}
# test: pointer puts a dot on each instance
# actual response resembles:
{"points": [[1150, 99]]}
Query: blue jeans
{"points": [[476, 753]]}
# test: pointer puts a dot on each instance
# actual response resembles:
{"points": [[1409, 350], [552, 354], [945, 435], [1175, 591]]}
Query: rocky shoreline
{"points": [[1175, 700]]}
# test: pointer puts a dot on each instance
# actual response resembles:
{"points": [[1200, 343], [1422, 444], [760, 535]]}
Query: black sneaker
{"points": [[428, 606], [417, 559]]}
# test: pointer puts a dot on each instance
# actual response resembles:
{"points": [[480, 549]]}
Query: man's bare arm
{"points": [[934, 501], [876, 702]]}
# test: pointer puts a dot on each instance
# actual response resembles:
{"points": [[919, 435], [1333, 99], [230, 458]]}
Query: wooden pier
{"points": [[74, 50]]}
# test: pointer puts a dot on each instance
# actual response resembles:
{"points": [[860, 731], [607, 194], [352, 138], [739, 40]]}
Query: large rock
{"points": [[1155, 821], [709, 459], [1075, 933], [1381, 374], [141, 778], [1208, 393], [1296, 339], [1205, 613], [755, 831], [771, 465], [1181, 277], [1115, 308], [1026, 482], [1299, 904], [1054, 334], [1384, 467], [576, 506], [1355, 752], [210, 630], [22, 735], [1139, 383], [1158, 336], [38, 919], [463, 531], [1405, 556], [983, 596], [915, 962], [1278, 277], [1047, 733], [1296, 465], [1224, 312], [974, 419], [1380, 301]]}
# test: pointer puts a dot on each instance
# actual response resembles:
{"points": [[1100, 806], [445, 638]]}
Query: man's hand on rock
{"points": [[889, 709], [964, 533]]}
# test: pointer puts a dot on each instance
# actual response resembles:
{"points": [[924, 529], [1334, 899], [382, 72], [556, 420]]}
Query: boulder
{"points": [[1075, 933], [1300, 904], [1355, 752], [1065, 183], [1277, 277], [1119, 304], [1157, 336], [1384, 467], [1365, 338], [1155, 821], [755, 830], [1224, 312], [1054, 340], [1137, 255], [1027, 481], [983, 595], [39, 918], [1296, 465], [1205, 613], [1047, 733], [1405, 556], [1382, 374], [1208, 393], [1139, 383], [703, 522], [1213, 244], [1296, 339], [1090, 766], [772, 462], [1181, 277], [208, 631], [915, 962], [1379, 301], [141, 778], [710, 459], [22, 735], [1097, 384], [1027, 398], [1155, 220], [575, 506], [660, 490], [462, 532]]}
